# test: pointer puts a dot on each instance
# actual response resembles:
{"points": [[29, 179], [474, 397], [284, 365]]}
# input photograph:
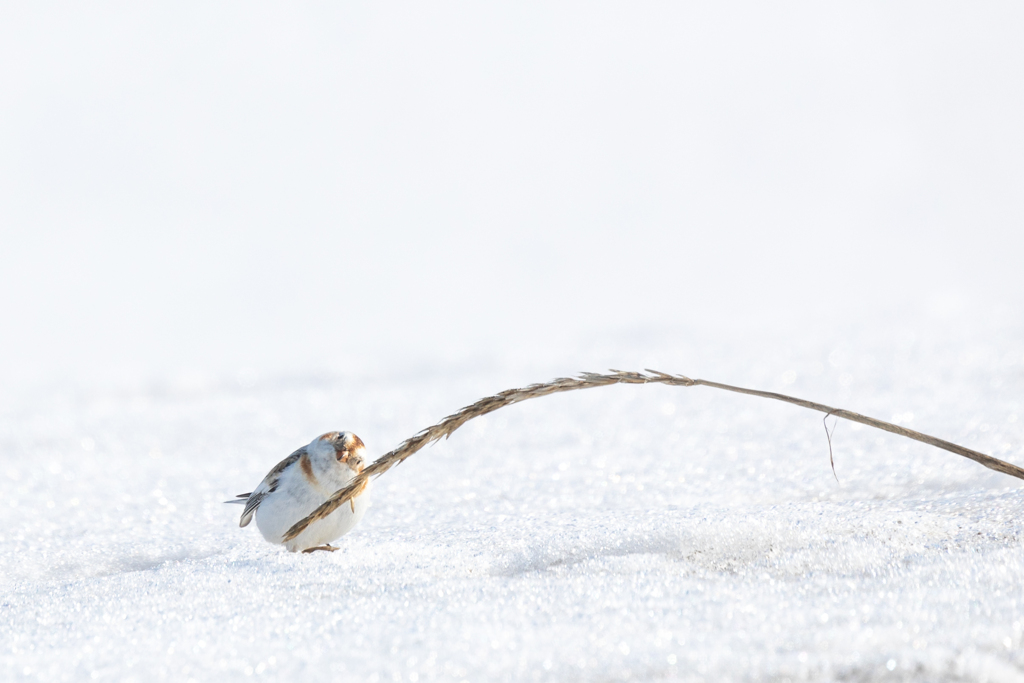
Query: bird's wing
{"points": [[266, 487]]}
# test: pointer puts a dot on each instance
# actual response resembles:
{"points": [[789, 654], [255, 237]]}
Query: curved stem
{"points": [[589, 380]]}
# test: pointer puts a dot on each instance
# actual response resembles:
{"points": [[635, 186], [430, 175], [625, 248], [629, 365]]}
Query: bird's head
{"points": [[348, 449]]}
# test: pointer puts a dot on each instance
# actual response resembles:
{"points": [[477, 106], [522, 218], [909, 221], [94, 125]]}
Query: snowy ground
{"points": [[228, 227], [640, 533]]}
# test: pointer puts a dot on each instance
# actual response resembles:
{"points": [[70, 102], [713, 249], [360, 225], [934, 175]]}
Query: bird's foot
{"points": [[326, 546]]}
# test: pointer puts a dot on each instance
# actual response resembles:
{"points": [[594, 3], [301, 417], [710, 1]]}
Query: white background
{"points": [[226, 228], [209, 186]]}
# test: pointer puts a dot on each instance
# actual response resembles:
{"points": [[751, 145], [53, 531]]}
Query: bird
{"points": [[302, 482]]}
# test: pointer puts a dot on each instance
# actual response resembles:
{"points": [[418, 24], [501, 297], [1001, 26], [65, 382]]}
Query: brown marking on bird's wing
{"points": [[307, 469], [271, 480], [275, 474]]}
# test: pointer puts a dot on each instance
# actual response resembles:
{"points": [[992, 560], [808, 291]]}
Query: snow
{"points": [[227, 228], [641, 533]]}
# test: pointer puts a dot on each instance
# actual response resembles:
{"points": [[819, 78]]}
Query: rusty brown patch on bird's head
{"points": [[349, 450], [352, 442]]}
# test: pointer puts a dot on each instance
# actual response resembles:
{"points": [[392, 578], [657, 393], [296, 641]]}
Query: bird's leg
{"points": [[326, 546]]}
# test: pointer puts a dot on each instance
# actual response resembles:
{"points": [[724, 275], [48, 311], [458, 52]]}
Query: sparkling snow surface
{"points": [[229, 227], [622, 533]]}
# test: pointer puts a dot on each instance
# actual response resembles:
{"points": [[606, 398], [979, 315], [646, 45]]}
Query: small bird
{"points": [[302, 482]]}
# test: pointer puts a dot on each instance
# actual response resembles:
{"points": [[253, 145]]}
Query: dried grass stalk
{"points": [[589, 380]]}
